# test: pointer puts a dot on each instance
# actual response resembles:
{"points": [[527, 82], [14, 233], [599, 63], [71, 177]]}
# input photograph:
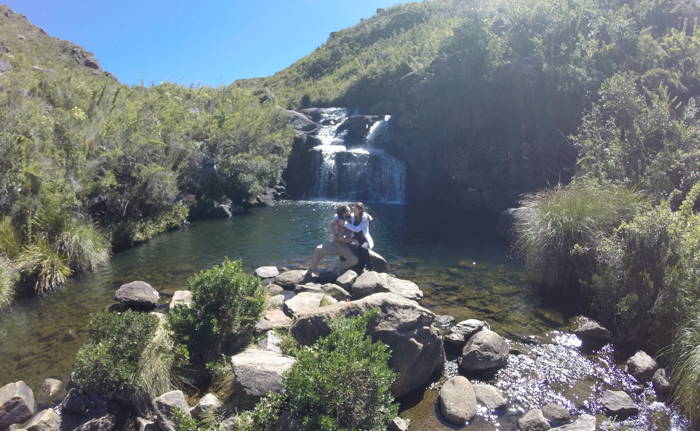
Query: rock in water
{"points": [[137, 294], [16, 404], [590, 330], [485, 350], [267, 272], [583, 423], [166, 405], [489, 396], [618, 404], [181, 297], [366, 284], [373, 282], [259, 372], [533, 420], [45, 420], [641, 366], [457, 400]]}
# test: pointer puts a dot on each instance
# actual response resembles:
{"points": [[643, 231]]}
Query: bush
{"points": [[226, 304], [128, 356], [343, 381], [557, 230]]}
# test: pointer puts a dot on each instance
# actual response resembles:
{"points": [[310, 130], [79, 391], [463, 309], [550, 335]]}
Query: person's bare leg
{"points": [[318, 255]]}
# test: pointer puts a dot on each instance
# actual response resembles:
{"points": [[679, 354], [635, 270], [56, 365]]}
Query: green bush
{"points": [[128, 356], [226, 304], [343, 382]]}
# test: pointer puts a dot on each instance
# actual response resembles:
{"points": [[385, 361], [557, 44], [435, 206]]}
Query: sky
{"points": [[211, 42]]}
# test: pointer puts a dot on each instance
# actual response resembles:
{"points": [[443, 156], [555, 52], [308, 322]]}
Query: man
{"points": [[339, 244]]}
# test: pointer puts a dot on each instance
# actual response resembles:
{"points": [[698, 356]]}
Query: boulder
{"points": [[590, 330], [373, 282], [208, 404], [641, 366], [273, 319], [489, 396], [267, 272], [366, 284], [45, 420], [270, 341], [583, 423], [661, 384], [289, 279], [444, 322], [402, 324], [166, 405], [107, 422], [306, 301], [16, 404], [181, 297], [618, 404], [485, 350], [143, 424], [346, 279], [462, 331], [52, 391], [75, 402], [308, 287], [533, 420], [457, 400], [258, 372], [276, 301], [399, 424], [336, 292], [378, 262], [274, 289], [556, 414], [138, 294]]}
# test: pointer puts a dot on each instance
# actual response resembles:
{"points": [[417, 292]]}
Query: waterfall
{"points": [[349, 161]]}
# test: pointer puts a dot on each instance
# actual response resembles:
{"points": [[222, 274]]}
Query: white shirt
{"points": [[362, 227]]}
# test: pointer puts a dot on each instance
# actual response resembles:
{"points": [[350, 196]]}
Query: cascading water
{"points": [[355, 169]]}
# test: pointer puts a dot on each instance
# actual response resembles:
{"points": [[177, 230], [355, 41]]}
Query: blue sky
{"points": [[212, 42]]}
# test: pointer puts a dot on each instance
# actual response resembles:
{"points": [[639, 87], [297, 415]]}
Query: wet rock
{"points": [[259, 372], [45, 420], [485, 350], [590, 330], [208, 404], [661, 384], [306, 301], [618, 404], [533, 420], [107, 422], [267, 271], [462, 331], [274, 289], [374, 282], [52, 391], [138, 294], [402, 324], [16, 404], [75, 402], [166, 405], [270, 341], [556, 414], [583, 423], [289, 279], [181, 297], [641, 366], [346, 279], [457, 400], [489, 396], [336, 292], [273, 319], [399, 424]]}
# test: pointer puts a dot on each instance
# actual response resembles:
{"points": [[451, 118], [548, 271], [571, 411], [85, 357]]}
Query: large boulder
{"points": [[457, 400], [642, 366], [489, 396], [166, 405], [306, 301], [374, 282], [45, 420], [485, 350], [462, 331], [258, 372], [289, 279], [16, 404], [402, 324], [618, 404], [533, 420], [583, 423], [138, 294], [590, 330]]}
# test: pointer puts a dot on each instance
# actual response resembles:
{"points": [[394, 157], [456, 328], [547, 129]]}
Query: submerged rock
{"points": [[137, 294], [258, 372], [641, 366], [533, 420], [457, 400], [583, 423], [590, 330], [166, 405], [618, 404], [485, 350], [16, 404]]}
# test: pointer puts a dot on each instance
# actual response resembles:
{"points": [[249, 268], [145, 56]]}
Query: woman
{"points": [[359, 224]]}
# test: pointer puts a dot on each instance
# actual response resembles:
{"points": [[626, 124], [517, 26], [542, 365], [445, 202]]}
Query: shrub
{"points": [[42, 263], [343, 381], [557, 230], [84, 246], [128, 356], [8, 278], [226, 304], [686, 368]]}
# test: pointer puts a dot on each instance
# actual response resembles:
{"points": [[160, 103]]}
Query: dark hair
{"points": [[341, 210], [361, 207]]}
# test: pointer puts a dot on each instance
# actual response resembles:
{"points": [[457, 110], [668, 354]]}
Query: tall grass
{"points": [[42, 263], [10, 241], [8, 279], [557, 229], [84, 246], [685, 378]]}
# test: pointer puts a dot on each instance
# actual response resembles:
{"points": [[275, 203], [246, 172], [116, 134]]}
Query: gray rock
{"points": [[52, 391], [308, 287], [166, 405], [75, 402], [378, 262], [346, 279], [274, 289], [208, 404], [137, 294], [556, 414], [16, 404], [267, 271], [336, 292], [405, 288], [402, 324], [583, 423], [462, 331], [399, 424], [533, 420], [107, 422], [181, 297], [444, 321], [289, 279], [589, 329], [485, 350], [618, 404], [661, 384], [273, 319], [642, 366], [489, 396], [45, 420], [374, 282], [276, 301], [366, 284], [259, 372], [306, 301], [143, 424], [457, 400], [270, 341]]}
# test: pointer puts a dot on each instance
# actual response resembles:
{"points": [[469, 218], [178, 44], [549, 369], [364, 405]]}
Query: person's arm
{"points": [[339, 233], [360, 227]]}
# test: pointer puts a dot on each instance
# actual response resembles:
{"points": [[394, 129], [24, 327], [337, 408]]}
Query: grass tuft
{"points": [[685, 378]]}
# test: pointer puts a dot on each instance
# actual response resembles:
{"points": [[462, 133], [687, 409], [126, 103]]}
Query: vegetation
{"points": [[686, 367], [226, 304]]}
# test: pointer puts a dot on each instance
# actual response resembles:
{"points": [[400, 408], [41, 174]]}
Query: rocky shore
{"points": [[464, 362]]}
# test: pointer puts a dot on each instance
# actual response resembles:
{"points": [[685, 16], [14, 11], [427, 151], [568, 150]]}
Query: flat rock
{"points": [[583, 423], [16, 404], [618, 404], [489, 396], [208, 404], [137, 294], [642, 366], [273, 319], [533, 420], [259, 372], [370, 282], [556, 414], [267, 271], [306, 301], [181, 297], [270, 341], [462, 331], [589, 329], [399, 424], [485, 350], [289, 279], [45, 420], [106, 422], [457, 400], [346, 279], [166, 405]]}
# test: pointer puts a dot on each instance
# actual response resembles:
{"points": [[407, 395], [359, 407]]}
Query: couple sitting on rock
{"points": [[350, 241]]}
